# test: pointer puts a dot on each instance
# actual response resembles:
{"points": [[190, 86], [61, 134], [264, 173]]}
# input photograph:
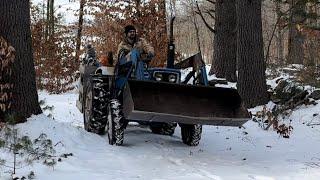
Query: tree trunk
{"points": [[310, 45], [162, 35], [280, 57], [196, 27], [224, 55], [80, 25], [51, 21], [47, 20], [137, 15], [15, 27], [158, 30], [296, 38], [251, 66]]}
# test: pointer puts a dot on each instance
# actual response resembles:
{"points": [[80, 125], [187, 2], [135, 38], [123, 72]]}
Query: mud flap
{"points": [[189, 104]]}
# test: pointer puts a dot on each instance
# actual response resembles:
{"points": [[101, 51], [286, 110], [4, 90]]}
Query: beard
{"points": [[131, 39]]}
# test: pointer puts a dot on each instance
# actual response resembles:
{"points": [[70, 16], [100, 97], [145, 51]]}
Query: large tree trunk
{"points": [[251, 66], [224, 56], [296, 38], [15, 27]]}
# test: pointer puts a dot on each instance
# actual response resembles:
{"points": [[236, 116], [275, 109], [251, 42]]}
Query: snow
{"points": [[224, 152]]}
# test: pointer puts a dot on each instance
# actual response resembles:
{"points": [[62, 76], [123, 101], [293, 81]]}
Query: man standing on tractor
{"points": [[130, 42]]}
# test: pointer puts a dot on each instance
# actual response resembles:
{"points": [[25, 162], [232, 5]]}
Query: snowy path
{"points": [[224, 153]]}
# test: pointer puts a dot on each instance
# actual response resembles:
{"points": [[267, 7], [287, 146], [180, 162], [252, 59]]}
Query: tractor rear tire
{"points": [[163, 128], [191, 134], [116, 123], [95, 108]]}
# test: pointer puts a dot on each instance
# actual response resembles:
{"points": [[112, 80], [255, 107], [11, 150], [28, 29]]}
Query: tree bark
{"points": [[296, 38], [251, 65], [224, 55], [79, 34], [160, 34], [196, 27], [310, 45], [51, 20], [280, 56], [15, 27], [47, 20]]}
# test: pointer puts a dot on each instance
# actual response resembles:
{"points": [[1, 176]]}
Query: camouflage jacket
{"points": [[141, 44]]}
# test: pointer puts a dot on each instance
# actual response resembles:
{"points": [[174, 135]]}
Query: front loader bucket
{"points": [[189, 104]]}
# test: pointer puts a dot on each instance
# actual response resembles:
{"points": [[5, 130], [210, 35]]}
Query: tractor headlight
{"points": [[158, 76], [172, 78]]}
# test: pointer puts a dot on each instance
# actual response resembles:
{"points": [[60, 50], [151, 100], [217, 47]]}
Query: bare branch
{"points": [[211, 15], [203, 19], [211, 1]]}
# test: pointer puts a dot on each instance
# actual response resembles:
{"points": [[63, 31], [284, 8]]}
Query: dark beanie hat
{"points": [[129, 28]]}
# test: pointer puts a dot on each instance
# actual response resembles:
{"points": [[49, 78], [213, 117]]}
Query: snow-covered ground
{"points": [[224, 153]]}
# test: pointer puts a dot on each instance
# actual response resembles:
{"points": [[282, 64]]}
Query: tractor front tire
{"points": [[163, 128], [116, 123], [191, 134], [95, 108]]}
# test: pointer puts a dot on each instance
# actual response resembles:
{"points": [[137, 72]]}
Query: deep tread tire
{"points": [[163, 128], [116, 123], [191, 134], [95, 107]]}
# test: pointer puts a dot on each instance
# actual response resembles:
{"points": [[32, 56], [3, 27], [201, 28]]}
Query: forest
{"points": [[266, 51], [289, 35]]}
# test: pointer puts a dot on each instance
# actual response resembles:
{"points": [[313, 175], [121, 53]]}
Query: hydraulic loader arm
{"points": [[198, 69]]}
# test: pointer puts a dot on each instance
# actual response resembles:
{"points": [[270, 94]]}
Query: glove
{"points": [[150, 55]]}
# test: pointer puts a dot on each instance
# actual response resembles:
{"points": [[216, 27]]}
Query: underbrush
{"points": [[294, 86], [19, 151]]}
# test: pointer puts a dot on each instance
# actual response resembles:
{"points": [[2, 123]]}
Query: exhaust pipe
{"points": [[171, 47]]}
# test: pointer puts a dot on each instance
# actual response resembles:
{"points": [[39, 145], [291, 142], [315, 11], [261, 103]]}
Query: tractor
{"points": [[111, 97]]}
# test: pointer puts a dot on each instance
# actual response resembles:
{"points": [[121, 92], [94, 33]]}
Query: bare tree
{"points": [[296, 37], [311, 42], [224, 54], [50, 19], [196, 27], [80, 26], [280, 44]]}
